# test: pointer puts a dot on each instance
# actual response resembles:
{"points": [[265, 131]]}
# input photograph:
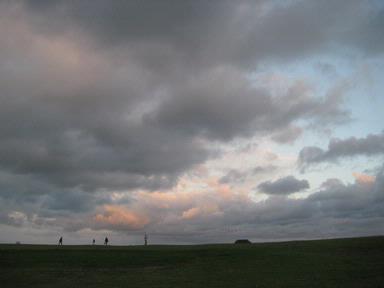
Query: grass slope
{"points": [[355, 262]]}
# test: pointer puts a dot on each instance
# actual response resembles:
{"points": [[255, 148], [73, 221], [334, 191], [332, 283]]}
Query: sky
{"points": [[191, 121]]}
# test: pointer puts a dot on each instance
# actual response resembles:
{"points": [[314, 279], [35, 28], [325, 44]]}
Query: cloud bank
{"points": [[283, 186], [372, 144]]}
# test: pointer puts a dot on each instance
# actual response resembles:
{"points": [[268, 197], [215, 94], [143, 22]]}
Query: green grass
{"points": [[355, 262]]}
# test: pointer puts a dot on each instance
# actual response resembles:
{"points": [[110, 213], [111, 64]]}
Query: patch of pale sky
{"points": [[322, 73]]}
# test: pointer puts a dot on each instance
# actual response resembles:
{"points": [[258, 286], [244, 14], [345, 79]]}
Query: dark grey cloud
{"points": [[237, 176], [263, 169], [283, 186], [367, 35], [352, 201], [289, 135], [79, 133], [205, 107], [241, 32], [73, 201], [234, 176], [372, 144]]}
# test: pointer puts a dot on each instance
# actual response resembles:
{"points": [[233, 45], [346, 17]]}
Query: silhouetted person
{"points": [[106, 241], [93, 242], [61, 241], [145, 239]]}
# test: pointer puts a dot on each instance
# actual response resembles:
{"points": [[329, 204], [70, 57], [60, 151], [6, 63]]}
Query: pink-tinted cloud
{"points": [[115, 216], [364, 179], [202, 211]]}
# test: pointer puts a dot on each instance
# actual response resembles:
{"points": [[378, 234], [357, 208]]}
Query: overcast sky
{"points": [[193, 121]]}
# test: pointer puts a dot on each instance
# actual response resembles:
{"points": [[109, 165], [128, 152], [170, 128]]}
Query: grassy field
{"points": [[357, 262]]}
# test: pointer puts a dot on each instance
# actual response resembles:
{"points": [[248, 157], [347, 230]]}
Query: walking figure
{"points": [[61, 241], [93, 242], [145, 239], [106, 241]]}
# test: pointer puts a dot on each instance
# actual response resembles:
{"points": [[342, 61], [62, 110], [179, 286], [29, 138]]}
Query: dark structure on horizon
{"points": [[243, 241]]}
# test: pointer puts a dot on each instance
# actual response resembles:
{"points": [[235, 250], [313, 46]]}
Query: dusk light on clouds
{"points": [[191, 121]]}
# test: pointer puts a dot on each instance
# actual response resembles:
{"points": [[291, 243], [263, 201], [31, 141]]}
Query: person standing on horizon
{"points": [[106, 241], [93, 241], [61, 241], [145, 239]]}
